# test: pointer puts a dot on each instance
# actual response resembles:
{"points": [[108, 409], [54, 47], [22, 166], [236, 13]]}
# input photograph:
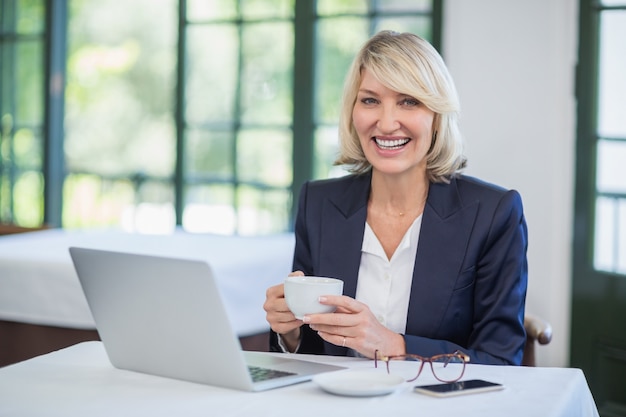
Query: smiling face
{"points": [[394, 129]]}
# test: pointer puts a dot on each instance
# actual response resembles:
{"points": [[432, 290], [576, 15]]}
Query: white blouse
{"points": [[385, 284]]}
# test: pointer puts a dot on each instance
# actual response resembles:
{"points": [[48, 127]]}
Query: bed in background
{"points": [[42, 307]]}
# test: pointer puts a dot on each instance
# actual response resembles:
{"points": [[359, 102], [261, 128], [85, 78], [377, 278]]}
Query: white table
{"points": [[38, 283], [80, 381]]}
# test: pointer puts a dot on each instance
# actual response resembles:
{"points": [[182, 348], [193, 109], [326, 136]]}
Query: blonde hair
{"points": [[408, 64]]}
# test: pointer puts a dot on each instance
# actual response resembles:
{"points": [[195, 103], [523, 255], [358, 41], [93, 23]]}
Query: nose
{"points": [[388, 119]]}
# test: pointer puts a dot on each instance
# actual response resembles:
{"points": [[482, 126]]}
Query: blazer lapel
{"points": [[444, 236], [343, 225]]}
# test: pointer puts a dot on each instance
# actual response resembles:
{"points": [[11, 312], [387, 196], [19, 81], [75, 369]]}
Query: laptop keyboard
{"points": [[263, 374]]}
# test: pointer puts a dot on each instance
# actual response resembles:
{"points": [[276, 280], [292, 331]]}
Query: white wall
{"points": [[514, 65]]}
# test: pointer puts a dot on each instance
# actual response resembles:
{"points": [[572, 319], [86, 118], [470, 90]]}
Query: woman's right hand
{"points": [[280, 318]]}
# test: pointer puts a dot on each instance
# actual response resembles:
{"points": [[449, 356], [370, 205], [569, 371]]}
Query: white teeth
{"points": [[391, 144]]}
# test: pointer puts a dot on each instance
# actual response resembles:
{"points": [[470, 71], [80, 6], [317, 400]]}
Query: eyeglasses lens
{"points": [[406, 366], [448, 368]]}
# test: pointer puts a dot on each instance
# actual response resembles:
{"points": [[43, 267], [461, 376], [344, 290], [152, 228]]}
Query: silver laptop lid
{"points": [[164, 316]]}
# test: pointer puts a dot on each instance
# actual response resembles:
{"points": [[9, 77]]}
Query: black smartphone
{"points": [[459, 388]]}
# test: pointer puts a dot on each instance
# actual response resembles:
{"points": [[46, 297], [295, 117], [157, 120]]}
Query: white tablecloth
{"points": [[79, 381], [38, 283]]}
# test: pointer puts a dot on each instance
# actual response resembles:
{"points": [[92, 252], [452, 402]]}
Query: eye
{"points": [[369, 101], [409, 102]]}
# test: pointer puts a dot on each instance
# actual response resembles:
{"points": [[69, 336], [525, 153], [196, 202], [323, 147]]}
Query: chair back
{"points": [[538, 331]]}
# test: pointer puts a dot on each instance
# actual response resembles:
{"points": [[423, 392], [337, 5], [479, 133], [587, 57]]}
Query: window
{"points": [[243, 120], [601, 153], [238, 106], [599, 249], [211, 121], [120, 142], [610, 217], [22, 73]]}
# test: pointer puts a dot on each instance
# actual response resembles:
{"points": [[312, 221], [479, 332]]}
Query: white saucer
{"points": [[358, 382]]}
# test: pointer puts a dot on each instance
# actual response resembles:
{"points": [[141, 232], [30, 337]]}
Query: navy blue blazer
{"points": [[470, 274]]}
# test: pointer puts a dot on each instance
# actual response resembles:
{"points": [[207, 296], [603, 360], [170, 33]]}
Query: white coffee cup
{"points": [[302, 294]]}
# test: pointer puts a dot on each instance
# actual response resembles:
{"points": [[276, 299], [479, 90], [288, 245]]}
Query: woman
{"points": [[432, 260]]}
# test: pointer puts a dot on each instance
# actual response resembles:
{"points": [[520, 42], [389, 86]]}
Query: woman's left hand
{"points": [[354, 325]]}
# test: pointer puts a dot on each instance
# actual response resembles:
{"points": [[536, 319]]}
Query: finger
{"points": [[330, 320], [296, 274], [348, 304], [277, 305], [282, 322], [271, 299], [343, 316], [343, 310], [331, 330], [286, 319], [336, 339], [276, 291], [282, 328]]}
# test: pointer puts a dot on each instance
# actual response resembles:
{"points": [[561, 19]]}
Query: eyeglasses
{"points": [[448, 367]]}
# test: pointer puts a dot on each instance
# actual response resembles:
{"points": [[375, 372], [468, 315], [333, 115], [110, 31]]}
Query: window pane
{"points": [[120, 88], [611, 166], [418, 25], [152, 210], [262, 212], [27, 149], [198, 10], [263, 9], [119, 114], [339, 40], [326, 151], [621, 240], [22, 25], [605, 234], [610, 236], [266, 80], [403, 5], [612, 82], [209, 152], [30, 16], [28, 204], [211, 79], [613, 2], [29, 88], [332, 7], [264, 156], [89, 201], [210, 209]]}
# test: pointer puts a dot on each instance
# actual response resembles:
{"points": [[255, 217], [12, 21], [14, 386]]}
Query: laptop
{"points": [[164, 316]]}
